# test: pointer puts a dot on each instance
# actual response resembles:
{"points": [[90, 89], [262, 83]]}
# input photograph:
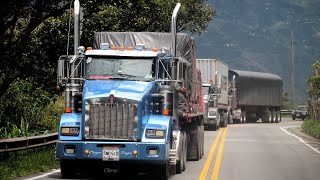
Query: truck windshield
{"points": [[119, 68], [205, 90]]}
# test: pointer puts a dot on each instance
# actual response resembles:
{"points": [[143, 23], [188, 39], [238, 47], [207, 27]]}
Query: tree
{"points": [[285, 102], [314, 91], [34, 33], [144, 15]]}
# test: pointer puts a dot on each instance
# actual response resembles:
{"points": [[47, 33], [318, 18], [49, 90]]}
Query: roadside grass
{"points": [[312, 128], [27, 162]]}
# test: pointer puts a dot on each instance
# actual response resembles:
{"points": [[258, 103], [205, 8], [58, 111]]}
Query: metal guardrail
{"points": [[20, 143], [284, 111]]}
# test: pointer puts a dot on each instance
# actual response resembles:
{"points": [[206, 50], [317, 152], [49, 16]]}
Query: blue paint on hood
{"points": [[134, 90]]}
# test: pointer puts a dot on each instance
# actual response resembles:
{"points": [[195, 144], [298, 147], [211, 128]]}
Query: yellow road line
{"points": [[219, 155], [210, 156]]}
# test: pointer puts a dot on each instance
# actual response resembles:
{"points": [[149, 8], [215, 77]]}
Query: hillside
{"points": [[255, 35]]}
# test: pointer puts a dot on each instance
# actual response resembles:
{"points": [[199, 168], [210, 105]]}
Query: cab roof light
{"points": [[89, 48], [105, 46], [130, 48], [140, 47], [121, 48], [114, 48], [154, 49]]}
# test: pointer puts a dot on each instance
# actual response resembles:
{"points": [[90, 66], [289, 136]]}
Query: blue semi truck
{"points": [[133, 102]]}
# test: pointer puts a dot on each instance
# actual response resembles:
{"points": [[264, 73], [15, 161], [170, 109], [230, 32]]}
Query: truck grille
{"points": [[116, 121]]}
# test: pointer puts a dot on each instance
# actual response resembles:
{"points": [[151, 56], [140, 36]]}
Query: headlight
{"points": [[70, 131], [212, 113], [155, 133]]}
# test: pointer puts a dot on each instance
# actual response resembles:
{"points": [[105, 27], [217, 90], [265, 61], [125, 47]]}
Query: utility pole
{"points": [[292, 70]]}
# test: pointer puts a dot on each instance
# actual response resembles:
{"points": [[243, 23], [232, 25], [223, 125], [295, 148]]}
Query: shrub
{"points": [[312, 128], [27, 109]]}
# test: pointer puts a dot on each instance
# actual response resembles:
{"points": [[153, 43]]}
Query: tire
{"points": [[225, 119], [272, 116], [162, 171], [213, 127], [277, 119], [269, 117], [185, 147], [179, 165], [202, 139], [199, 143], [67, 170], [243, 117]]}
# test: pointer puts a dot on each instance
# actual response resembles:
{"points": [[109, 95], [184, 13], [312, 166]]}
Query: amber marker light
{"points": [[121, 48], [130, 48], [67, 110], [58, 88], [89, 48], [165, 112], [135, 153], [114, 48], [154, 49], [86, 152]]}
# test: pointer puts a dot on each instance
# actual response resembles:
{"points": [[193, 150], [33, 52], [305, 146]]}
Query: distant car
{"points": [[301, 112]]}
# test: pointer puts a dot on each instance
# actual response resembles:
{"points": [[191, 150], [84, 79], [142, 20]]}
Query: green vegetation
{"points": [[27, 162], [34, 34], [312, 128], [286, 103]]}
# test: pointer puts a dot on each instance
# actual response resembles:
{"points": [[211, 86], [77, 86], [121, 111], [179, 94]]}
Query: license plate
{"points": [[110, 154]]}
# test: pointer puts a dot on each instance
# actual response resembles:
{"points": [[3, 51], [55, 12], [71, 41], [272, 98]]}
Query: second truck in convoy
{"points": [[214, 75], [238, 96]]}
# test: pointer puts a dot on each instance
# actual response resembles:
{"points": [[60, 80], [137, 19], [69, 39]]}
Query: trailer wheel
{"points": [[269, 117], [277, 116], [202, 140], [179, 165], [243, 117], [185, 147], [199, 143], [272, 116]]}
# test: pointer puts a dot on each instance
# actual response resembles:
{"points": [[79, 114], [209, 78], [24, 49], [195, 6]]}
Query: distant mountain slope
{"points": [[255, 35]]}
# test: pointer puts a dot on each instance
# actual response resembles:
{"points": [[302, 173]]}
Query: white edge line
{"points": [[43, 175], [301, 140]]}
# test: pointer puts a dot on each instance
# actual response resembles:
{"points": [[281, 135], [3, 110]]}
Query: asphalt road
{"points": [[254, 151]]}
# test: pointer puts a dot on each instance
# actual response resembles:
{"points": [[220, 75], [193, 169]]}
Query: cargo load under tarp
{"points": [[185, 45], [257, 88]]}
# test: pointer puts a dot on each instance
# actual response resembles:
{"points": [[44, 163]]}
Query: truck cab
{"points": [[210, 96]]}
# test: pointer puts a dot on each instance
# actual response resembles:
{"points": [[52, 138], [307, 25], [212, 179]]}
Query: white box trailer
{"points": [[214, 73]]}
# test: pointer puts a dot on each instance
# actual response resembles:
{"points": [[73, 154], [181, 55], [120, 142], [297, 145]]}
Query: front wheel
{"points": [[162, 171], [67, 170]]}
